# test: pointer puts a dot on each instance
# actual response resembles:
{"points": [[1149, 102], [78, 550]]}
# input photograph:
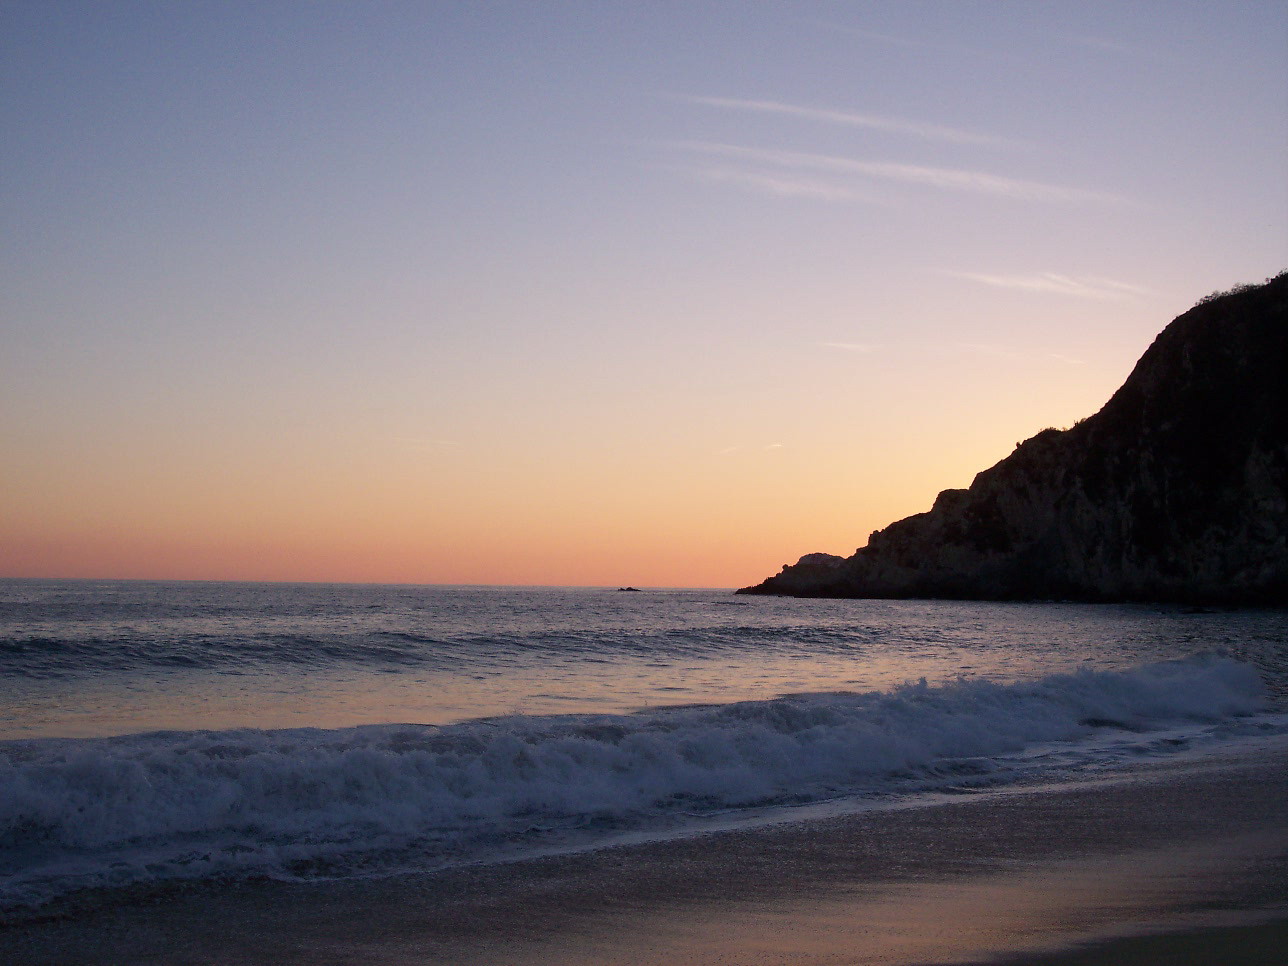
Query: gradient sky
{"points": [[656, 293]]}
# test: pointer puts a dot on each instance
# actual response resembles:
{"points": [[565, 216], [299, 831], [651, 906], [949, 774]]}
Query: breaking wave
{"points": [[77, 813]]}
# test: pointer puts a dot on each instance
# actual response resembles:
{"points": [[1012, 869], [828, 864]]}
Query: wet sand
{"points": [[1184, 859], [1259, 944]]}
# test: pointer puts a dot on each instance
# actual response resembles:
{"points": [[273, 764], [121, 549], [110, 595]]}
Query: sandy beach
{"points": [[1260, 944], [1184, 861]]}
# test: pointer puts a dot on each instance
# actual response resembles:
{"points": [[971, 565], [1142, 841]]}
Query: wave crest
{"points": [[76, 813]]}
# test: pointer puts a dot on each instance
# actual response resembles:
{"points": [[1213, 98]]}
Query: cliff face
{"points": [[1177, 490]]}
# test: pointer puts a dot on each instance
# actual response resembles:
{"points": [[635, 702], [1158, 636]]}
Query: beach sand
{"points": [[1185, 861], [1261, 944]]}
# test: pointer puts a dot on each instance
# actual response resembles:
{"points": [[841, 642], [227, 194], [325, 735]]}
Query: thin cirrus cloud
{"points": [[894, 41], [781, 184], [1086, 287], [944, 179], [932, 132], [1105, 45]]}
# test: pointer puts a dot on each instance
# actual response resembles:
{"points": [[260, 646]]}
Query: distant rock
{"points": [[820, 560], [628, 590], [1177, 490]]}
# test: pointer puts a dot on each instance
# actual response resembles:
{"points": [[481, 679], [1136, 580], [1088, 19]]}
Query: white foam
{"points": [[76, 813]]}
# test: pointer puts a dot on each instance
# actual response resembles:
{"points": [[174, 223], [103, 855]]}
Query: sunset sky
{"points": [[588, 293]]}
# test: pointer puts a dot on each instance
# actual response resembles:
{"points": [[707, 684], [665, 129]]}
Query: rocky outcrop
{"points": [[1177, 490]]}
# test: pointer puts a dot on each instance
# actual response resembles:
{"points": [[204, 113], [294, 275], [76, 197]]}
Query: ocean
{"points": [[154, 735]]}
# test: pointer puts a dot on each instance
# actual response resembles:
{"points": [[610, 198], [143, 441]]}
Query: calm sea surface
{"points": [[156, 731]]}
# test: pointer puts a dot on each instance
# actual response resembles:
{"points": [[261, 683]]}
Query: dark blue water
{"points": [[81, 658], [156, 731]]}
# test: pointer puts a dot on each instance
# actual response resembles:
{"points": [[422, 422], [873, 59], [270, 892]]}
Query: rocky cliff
{"points": [[1177, 490]]}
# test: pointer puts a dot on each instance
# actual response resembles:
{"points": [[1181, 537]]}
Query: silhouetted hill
{"points": [[1177, 490]]}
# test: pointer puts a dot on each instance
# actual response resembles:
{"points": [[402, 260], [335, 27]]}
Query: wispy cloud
{"points": [[1110, 45], [946, 179], [773, 446], [850, 346], [782, 184], [1084, 286], [933, 132], [1105, 44], [891, 40]]}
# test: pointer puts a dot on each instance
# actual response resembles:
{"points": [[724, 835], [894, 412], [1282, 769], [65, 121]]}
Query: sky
{"points": [[650, 293]]}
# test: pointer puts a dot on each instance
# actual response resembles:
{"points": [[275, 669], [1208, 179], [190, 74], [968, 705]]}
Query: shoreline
{"points": [[1031, 874]]}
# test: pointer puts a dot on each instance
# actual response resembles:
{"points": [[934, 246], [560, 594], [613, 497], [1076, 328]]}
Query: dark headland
{"points": [[1176, 491]]}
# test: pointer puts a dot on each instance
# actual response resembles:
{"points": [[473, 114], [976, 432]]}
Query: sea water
{"points": [[153, 733]]}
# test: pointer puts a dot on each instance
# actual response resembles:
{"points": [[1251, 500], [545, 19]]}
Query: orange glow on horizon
{"points": [[656, 510]]}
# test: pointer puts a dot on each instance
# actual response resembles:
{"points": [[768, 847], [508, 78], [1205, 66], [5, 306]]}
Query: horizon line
{"points": [[362, 583]]}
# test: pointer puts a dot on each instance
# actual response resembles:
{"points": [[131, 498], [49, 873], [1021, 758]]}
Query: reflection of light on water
{"points": [[439, 655]]}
